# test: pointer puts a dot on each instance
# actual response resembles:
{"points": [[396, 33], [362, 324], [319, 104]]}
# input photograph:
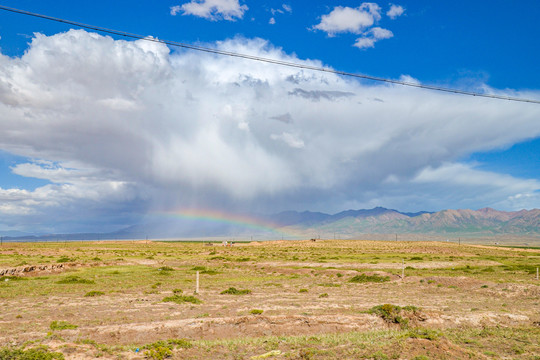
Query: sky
{"points": [[98, 132]]}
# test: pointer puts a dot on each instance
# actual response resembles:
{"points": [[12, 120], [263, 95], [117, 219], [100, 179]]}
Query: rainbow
{"points": [[228, 218]]}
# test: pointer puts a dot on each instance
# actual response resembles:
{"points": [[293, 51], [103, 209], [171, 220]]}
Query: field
{"points": [[324, 299]]}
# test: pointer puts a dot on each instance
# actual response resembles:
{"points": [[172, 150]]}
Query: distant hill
{"points": [[348, 224], [482, 222]]}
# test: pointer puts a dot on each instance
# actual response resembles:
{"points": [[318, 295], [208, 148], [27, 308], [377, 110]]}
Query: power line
{"points": [[266, 60]]}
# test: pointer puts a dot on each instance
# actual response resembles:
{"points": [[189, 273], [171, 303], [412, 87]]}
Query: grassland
{"points": [[291, 300]]}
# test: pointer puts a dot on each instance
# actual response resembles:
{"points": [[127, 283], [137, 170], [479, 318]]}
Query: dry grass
{"points": [[468, 301]]}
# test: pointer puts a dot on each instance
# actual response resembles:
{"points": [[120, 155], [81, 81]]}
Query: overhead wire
{"points": [[267, 60]]}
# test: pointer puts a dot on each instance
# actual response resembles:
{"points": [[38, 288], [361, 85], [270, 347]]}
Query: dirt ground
{"points": [[301, 301]]}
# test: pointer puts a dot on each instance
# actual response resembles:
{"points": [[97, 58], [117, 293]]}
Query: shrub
{"points": [[39, 353], [256, 312], [235, 291], [177, 291], [363, 278], [94, 293], [391, 313], [180, 299], [303, 290], [323, 295], [181, 343], [63, 259], [62, 325], [158, 351]]}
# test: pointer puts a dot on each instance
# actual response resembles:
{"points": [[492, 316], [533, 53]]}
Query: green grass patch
{"points": [[64, 259], [38, 353], [363, 278], [165, 269], [75, 280], [181, 299], [62, 325], [235, 291], [94, 293]]}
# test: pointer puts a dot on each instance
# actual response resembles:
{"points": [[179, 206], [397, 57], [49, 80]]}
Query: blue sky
{"points": [[99, 131]]}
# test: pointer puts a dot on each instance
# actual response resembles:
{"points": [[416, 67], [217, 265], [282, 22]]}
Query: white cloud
{"points": [[272, 21], [395, 11], [360, 20], [212, 9], [370, 37], [289, 139], [345, 19], [287, 8], [480, 187], [175, 9], [127, 125]]}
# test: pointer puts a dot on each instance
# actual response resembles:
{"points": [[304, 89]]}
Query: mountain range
{"points": [[483, 222], [348, 224]]}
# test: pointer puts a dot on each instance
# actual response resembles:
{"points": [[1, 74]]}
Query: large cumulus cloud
{"points": [[126, 127]]}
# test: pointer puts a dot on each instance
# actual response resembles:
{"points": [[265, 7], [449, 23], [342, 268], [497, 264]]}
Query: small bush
{"points": [[180, 299], [390, 313], [303, 290], [256, 312], [235, 291], [64, 259], [363, 278], [94, 293], [418, 258], [75, 280], [323, 295], [177, 291], [204, 270], [158, 351], [423, 334], [165, 268], [62, 325], [181, 343], [484, 286], [39, 353]]}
